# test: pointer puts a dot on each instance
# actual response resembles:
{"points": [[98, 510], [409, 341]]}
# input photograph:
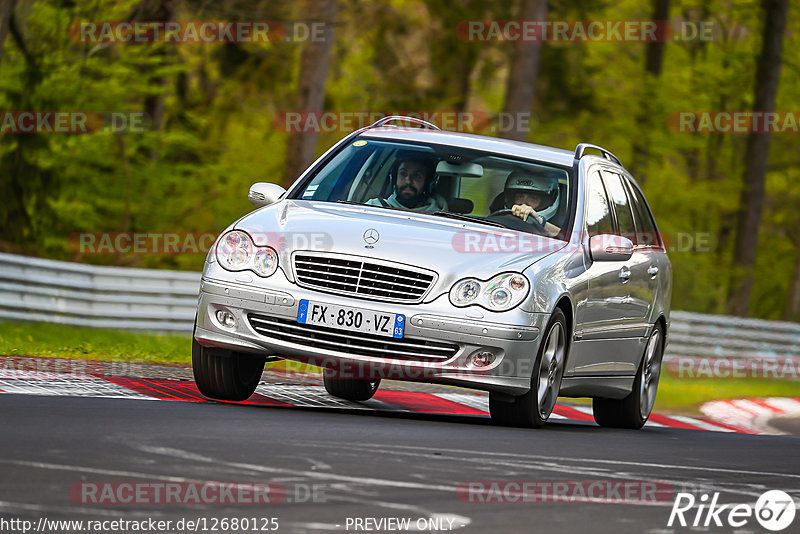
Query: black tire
{"points": [[524, 411], [505, 413], [352, 389], [634, 410], [224, 374]]}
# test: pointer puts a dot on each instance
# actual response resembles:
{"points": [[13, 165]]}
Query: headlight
{"points": [[266, 261], [237, 252], [234, 251], [464, 292], [503, 292]]}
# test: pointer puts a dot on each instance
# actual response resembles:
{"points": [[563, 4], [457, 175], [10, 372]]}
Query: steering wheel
{"points": [[511, 220]]}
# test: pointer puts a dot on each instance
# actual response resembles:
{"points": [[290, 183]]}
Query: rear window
{"points": [[622, 206], [598, 211], [646, 233]]}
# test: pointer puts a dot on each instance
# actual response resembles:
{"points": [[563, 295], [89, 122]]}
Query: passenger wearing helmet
{"points": [[412, 177], [533, 196]]}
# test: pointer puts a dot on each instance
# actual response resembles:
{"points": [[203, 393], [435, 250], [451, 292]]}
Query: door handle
{"points": [[624, 274], [652, 271]]}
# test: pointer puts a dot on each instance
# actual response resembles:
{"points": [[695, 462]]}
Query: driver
{"points": [[413, 180], [534, 196]]}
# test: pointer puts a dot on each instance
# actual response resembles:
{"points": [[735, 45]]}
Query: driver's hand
{"points": [[523, 211]]}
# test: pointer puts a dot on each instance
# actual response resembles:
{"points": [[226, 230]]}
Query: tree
{"points": [[6, 10], [654, 59], [792, 308], [452, 60], [524, 71], [314, 64], [756, 155]]}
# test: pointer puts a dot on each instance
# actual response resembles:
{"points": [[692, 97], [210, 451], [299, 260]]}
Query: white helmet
{"points": [[542, 183]]}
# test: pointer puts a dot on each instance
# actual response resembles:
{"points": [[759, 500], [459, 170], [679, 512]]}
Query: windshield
{"points": [[449, 182]]}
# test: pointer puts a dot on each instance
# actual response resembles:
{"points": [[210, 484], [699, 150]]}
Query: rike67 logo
{"points": [[774, 510]]}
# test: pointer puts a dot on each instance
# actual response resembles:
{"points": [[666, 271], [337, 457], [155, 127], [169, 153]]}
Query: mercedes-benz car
{"points": [[410, 253]]}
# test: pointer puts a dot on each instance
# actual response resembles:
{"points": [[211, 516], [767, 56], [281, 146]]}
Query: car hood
{"points": [[452, 248]]}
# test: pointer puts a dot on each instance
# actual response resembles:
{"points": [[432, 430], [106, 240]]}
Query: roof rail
{"points": [[581, 148], [425, 124]]}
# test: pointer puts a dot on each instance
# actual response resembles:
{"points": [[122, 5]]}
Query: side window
{"points": [[598, 212], [622, 206], [646, 233]]}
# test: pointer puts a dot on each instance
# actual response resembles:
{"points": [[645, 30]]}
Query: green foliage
{"points": [[189, 171]]}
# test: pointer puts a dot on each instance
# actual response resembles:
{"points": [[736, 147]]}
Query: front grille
{"points": [[368, 279], [349, 342]]}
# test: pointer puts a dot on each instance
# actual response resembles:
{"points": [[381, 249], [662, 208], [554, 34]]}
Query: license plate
{"points": [[347, 318]]}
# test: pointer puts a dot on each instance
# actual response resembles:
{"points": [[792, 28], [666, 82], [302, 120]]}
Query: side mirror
{"points": [[608, 247], [263, 193]]}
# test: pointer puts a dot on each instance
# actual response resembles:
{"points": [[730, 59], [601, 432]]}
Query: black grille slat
{"points": [[350, 342], [351, 271], [395, 271], [331, 262], [372, 280], [368, 290], [328, 276], [392, 279], [388, 286]]}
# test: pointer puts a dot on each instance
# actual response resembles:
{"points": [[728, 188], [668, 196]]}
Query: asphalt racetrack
{"points": [[367, 471]]}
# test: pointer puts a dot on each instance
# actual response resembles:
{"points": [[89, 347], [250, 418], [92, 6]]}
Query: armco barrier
{"points": [[724, 336], [36, 289]]}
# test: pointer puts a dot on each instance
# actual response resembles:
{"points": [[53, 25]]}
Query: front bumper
{"points": [[513, 340]]}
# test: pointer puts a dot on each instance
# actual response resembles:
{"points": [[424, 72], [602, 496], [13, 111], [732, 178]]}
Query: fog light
{"points": [[482, 359], [226, 318]]}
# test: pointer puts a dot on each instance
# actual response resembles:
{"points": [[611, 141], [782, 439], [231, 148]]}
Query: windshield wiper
{"points": [[470, 218]]}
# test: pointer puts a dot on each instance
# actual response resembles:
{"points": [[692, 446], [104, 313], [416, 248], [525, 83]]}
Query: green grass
{"points": [[63, 341], [684, 395], [675, 395]]}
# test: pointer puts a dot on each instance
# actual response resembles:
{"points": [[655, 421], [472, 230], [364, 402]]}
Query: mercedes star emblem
{"points": [[371, 237]]}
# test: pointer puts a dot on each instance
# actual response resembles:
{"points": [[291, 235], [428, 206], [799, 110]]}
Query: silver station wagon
{"points": [[411, 253]]}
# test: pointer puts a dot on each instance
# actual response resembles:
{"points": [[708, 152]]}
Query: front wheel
{"points": [[224, 374], [634, 410], [352, 389], [534, 408]]}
